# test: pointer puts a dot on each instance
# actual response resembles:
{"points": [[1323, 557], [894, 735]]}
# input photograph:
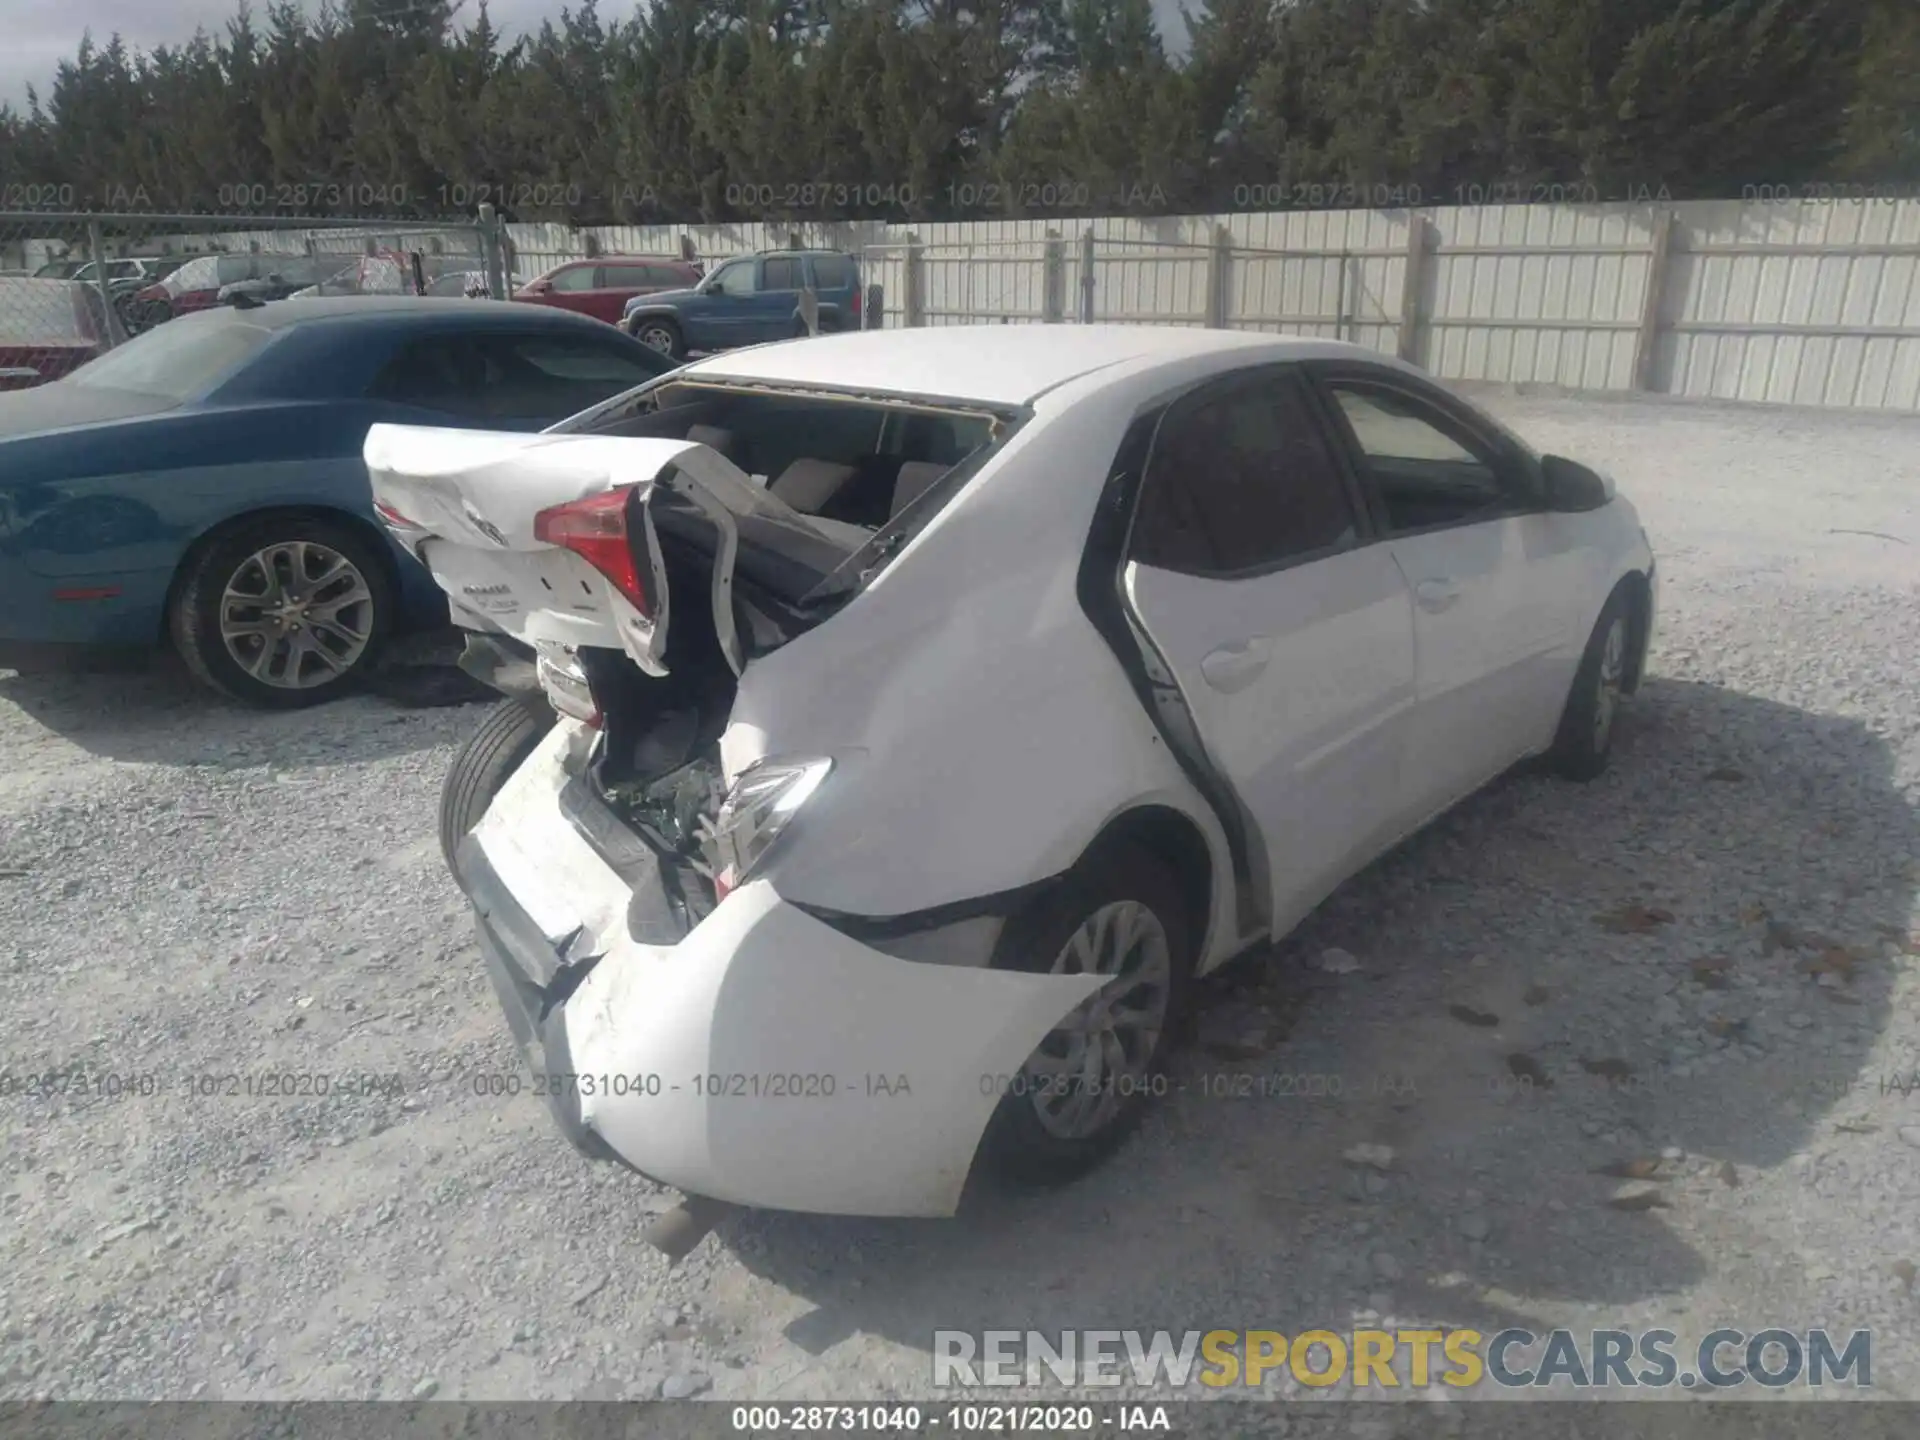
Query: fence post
{"points": [[97, 252], [489, 228], [1646, 343], [913, 285], [1413, 288], [1341, 306], [1053, 279], [1086, 277], [1219, 277]]}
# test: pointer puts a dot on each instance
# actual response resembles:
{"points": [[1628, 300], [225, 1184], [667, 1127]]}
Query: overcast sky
{"points": [[39, 34]]}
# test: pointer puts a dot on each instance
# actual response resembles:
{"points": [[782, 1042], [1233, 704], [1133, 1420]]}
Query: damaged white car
{"points": [[933, 705]]}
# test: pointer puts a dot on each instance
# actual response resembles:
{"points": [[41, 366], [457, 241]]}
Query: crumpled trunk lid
{"points": [[464, 502]]}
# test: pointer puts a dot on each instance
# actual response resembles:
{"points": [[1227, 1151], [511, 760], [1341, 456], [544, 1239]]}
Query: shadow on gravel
{"points": [[1556, 984], [159, 715]]}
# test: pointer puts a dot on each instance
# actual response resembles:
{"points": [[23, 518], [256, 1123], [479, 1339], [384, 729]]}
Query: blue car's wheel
{"points": [[284, 612], [661, 335]]}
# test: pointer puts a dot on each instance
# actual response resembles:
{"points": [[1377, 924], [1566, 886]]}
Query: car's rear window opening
{"points": [[851, 462]]}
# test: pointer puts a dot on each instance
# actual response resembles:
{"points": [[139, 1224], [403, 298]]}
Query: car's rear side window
{"points": [[178, 360], [1241, 478], [832, 272]]}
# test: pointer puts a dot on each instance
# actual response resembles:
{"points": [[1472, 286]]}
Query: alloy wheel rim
{"points": [[1613, 666], [296, 615], [1089, 1064], [657, 337]]}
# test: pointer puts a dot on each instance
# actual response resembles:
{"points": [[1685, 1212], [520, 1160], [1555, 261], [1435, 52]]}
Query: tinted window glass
{"points": [[177, 360], [574, 277], [833, 272], [735, 279], [1240, 477], [781, 274], [1427, 471], [448, 375], [540, 378], [625, 277]]}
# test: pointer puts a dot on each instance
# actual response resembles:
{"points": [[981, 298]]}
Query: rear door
{"points": [[1253, 572], [1490, 572]]}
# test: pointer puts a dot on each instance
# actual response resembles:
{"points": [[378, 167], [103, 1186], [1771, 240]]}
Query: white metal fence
{"points": [[1805, 302], [1808, 302]]}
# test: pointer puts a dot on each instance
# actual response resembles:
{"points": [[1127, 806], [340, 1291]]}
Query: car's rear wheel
{"points": [[1584, 742], [511, 732], [284, 612], [1088, 1083], [661, 335]]}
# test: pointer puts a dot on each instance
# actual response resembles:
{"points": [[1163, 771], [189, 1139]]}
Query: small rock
{"points": [[1474, 1227], [1673, 1152], [1385, 1266], [426, 1389], [1637, 1195], [1370, 1156], [1375, 1183], [226, 1280], [683, 1385], [1336, 961], [1467, 1015], [1910, 1134], [305, 1002]]}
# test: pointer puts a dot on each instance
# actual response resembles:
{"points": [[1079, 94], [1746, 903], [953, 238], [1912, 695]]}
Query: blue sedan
{"points": [[202, 485]]}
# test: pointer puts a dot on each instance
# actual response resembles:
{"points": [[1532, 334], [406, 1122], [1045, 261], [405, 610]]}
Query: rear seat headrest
{"points": [[808, 484], [915, 479]]}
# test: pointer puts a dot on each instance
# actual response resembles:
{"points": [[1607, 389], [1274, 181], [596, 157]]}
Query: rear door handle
{"points": [[1234, 667], [1436, 595]]}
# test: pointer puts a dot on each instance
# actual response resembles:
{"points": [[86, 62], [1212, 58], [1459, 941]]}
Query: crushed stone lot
{"points": [[1640, 1053]]}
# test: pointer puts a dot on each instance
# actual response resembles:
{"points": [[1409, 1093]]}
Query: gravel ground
{"points": [[1698, 971]]}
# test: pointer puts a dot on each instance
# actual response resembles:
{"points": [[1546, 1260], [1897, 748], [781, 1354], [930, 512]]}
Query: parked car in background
{"points": [[603, 288], [202, 484], [832, 798], [748, 301], [49, 328]]}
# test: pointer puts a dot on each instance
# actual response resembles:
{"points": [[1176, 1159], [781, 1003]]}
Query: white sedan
{"points": [[1012, 677]]}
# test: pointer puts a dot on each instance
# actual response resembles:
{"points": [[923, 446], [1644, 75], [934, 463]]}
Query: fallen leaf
{"points": [[1837, 997], [1638, 1169], [1525, 1067], [1855, 1127], [1637, 1196], [1727, 1029], [1634, 919], [1753, 914], [1726, 773], [1467, 1015], [1537, 995], [1904, 1272], [1608, 1069], [1729, 1174], [1830, 828]]}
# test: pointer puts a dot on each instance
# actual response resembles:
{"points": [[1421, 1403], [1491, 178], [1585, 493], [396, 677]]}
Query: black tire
{"points": [[1584, 742], [1018, 1145], [511, 732], [194, 618], [667, 338]]}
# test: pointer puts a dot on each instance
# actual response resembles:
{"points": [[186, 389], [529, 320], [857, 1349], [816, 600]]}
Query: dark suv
{"points": [[748, 300]]}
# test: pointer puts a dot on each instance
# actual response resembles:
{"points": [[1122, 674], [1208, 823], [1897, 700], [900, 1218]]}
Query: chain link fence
{"points": [[73, 285]]}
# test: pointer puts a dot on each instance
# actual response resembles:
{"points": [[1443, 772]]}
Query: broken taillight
{"points": [[595, 529]]}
